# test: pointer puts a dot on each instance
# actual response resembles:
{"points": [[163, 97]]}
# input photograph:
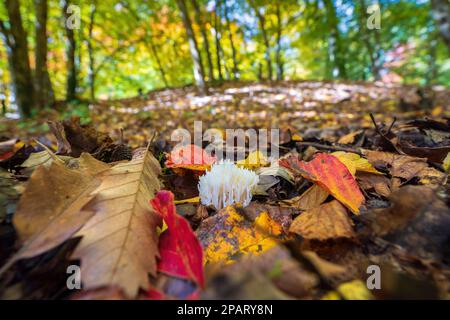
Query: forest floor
{"points": [[378, 197]]}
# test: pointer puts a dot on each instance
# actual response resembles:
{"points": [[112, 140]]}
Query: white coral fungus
{"points": [[226, 184]]}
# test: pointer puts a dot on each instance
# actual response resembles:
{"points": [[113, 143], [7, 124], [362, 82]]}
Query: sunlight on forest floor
{"points": [[300, 107]]}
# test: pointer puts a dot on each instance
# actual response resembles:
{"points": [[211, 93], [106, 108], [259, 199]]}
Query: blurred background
{"points": [[62, 50]]}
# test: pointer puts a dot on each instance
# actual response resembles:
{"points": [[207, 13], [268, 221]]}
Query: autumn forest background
{"points": [[120, 49]]}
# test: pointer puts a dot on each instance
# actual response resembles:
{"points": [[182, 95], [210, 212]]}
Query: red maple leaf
{"points": [[181, 252]]}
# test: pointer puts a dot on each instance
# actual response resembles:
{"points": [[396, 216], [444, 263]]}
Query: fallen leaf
{"points": [[10, 190], [436, 154], [374, 182], [417, 221], [190, 157], [228, 234], [400, 166], [180, 251], [42, 158], [49, 209], [349, 138], [447, 163], [329, 221], [355, 163], [311, 198], [332, 175], [353, 290], [119, 243], [254, 160]]}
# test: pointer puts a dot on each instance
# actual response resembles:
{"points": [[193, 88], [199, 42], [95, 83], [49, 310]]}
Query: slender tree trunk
{"points": [[43, 86], [92, 71], [335, 44], [441, 13], [262, 26], [432, 66], [278, 58], [217, 36], [15, 38], [366, 39], [158, 61], [199, 73], [233, 49], [201, 23], [71, 84]]}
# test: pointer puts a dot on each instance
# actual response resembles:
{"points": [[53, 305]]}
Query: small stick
{"points": [[332, 148], [50, 152]]}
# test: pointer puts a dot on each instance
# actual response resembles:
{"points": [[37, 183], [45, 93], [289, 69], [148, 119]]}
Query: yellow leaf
{"points": [[352, 290], [354, 162], [447, 163], [437, 111], [190, 200], [349, 138], [232, 235], [296, 137], [161, 229], [254, 160]]}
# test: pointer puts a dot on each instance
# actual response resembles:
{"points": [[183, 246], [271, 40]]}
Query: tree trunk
{"points": [[201, 23], [233, 49], [71, 85], [262, 26], [366, 39], [217, 38], [441, 13], [335, 44], [92, 72], [158, 61], [278, 58], [15, 38], [199, 74], [44, 91]]}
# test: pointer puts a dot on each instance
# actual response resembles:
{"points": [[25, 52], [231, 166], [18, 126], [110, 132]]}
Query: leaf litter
{"points": [[350, 189]]}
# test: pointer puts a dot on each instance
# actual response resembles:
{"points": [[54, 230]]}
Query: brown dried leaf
{"points": [[417, 220], [329, 221], [50, 209], [374, 182], [400, 166], [42, 158], [53, 193], [311, 198], [120, 242]]}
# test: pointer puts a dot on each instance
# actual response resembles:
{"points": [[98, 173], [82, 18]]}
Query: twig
{"points": [[50, 152], [325, 147]]}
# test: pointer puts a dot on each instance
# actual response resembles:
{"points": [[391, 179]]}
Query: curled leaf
{"points": [[180, 251], [332, 175]]}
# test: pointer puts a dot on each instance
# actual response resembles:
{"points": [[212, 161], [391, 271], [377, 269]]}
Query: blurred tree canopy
{"points": [[91, 49]]}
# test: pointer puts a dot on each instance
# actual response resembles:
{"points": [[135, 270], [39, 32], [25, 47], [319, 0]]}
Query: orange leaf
{"points": [[190, 157], [331, 174]]}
